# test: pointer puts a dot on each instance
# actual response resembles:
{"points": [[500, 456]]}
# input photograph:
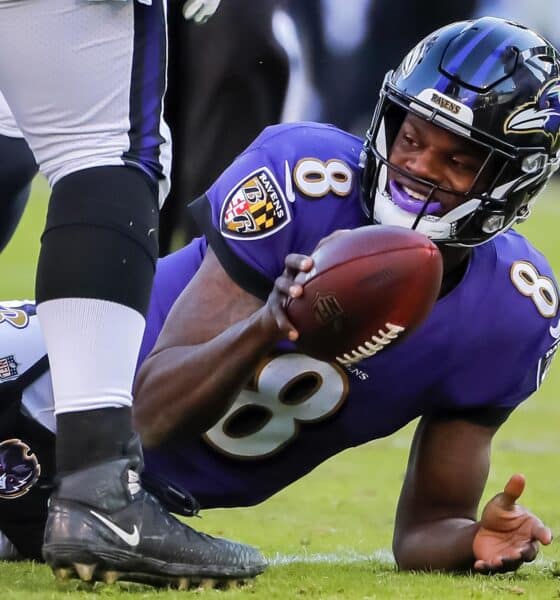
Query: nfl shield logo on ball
{"points": [[326, 308]]}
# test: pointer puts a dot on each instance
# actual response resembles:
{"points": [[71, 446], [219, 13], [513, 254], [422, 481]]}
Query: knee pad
{"points": [[101, 238]]}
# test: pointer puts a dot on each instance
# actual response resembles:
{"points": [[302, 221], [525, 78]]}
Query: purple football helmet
{"points": [[492, 82]]}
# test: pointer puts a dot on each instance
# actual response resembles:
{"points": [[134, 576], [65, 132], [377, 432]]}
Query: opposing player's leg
{"points": [[27, 478], [17, 169], [102, 144]]}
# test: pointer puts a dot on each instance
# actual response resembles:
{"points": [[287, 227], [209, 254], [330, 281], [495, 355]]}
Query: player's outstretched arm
{"points": [[436, 526], [209, 347]]}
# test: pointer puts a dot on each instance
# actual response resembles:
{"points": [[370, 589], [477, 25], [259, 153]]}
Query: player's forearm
{"points": [[187, 389], [444, 545]]}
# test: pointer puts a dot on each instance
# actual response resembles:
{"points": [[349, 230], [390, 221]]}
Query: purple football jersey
{"points": [[484, 346]]}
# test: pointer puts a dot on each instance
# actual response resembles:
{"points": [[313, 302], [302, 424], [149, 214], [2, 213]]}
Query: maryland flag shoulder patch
{"points": [[255, 207]]}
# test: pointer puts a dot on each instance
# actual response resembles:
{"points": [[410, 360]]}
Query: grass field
{"points": [[329, 535]]}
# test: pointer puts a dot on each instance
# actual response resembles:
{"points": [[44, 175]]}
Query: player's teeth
{"points": [[414, 194]]}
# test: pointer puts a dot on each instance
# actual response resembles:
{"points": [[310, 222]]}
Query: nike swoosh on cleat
{"points": [[290, 194], [555, 331], [132, 539]]}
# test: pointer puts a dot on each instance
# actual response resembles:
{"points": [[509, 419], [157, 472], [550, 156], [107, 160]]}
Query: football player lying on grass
{"points": [[230, 410]]}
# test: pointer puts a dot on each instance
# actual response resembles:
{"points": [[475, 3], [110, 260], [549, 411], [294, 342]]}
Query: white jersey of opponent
{"points": [[8, 125], [85, 82], [21, 348]]}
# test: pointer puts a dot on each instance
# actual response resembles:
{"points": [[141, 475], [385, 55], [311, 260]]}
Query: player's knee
{"points": [[100, 239]]}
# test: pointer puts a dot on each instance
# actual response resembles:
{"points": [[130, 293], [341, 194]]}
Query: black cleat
{"points": [[102, 526]]}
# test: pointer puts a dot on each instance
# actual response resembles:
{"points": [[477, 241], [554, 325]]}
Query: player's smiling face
{"points": [[434, 155]]}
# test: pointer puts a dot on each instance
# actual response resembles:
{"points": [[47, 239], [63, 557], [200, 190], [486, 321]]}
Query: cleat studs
{"points": [[63, 574], [207, 584], [183, 583], [85, 572], [109, 577], [233, 584]]}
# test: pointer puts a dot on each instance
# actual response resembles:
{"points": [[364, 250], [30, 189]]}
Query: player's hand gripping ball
{"points": [[368, 289]]}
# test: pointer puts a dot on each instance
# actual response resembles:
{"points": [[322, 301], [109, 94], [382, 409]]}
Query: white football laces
{"points": [[369, 349]]}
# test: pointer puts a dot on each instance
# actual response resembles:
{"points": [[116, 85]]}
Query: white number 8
{"points": [[316, 178], [281, 407], [531, 283]]}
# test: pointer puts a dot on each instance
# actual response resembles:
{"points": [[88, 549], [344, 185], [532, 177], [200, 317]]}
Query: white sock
{"points": [[93, 348]]}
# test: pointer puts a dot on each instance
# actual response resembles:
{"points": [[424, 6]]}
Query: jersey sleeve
{"points": [[255, 213]]}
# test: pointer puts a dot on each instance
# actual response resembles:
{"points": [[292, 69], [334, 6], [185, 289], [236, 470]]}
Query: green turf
{"points": [[329, 535]]}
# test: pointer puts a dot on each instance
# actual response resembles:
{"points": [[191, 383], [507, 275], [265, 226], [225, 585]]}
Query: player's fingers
{"points": [[285, 325], [499, 564], [540, 532], [530, 551], [480, 567], [207, 9], [510, 564], [277, 304], [486, 566], [298, 262], [286, 286], [513, 489], [190, 8]]}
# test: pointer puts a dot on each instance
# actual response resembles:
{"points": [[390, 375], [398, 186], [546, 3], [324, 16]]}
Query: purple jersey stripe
{"points": [[461, 55], [147, 88], [485, 68]]}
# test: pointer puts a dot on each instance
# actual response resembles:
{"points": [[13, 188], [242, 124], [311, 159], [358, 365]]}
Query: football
{"points": [[368, 289]]}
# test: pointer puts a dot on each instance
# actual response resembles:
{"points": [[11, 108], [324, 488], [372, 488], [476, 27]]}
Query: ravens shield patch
{"points": [[255, 207]]}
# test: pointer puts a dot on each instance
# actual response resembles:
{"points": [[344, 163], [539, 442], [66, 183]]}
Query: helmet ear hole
{"points": [[493, 223]]}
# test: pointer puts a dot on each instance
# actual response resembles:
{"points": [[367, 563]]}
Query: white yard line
{"points": [[383, 556]]}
